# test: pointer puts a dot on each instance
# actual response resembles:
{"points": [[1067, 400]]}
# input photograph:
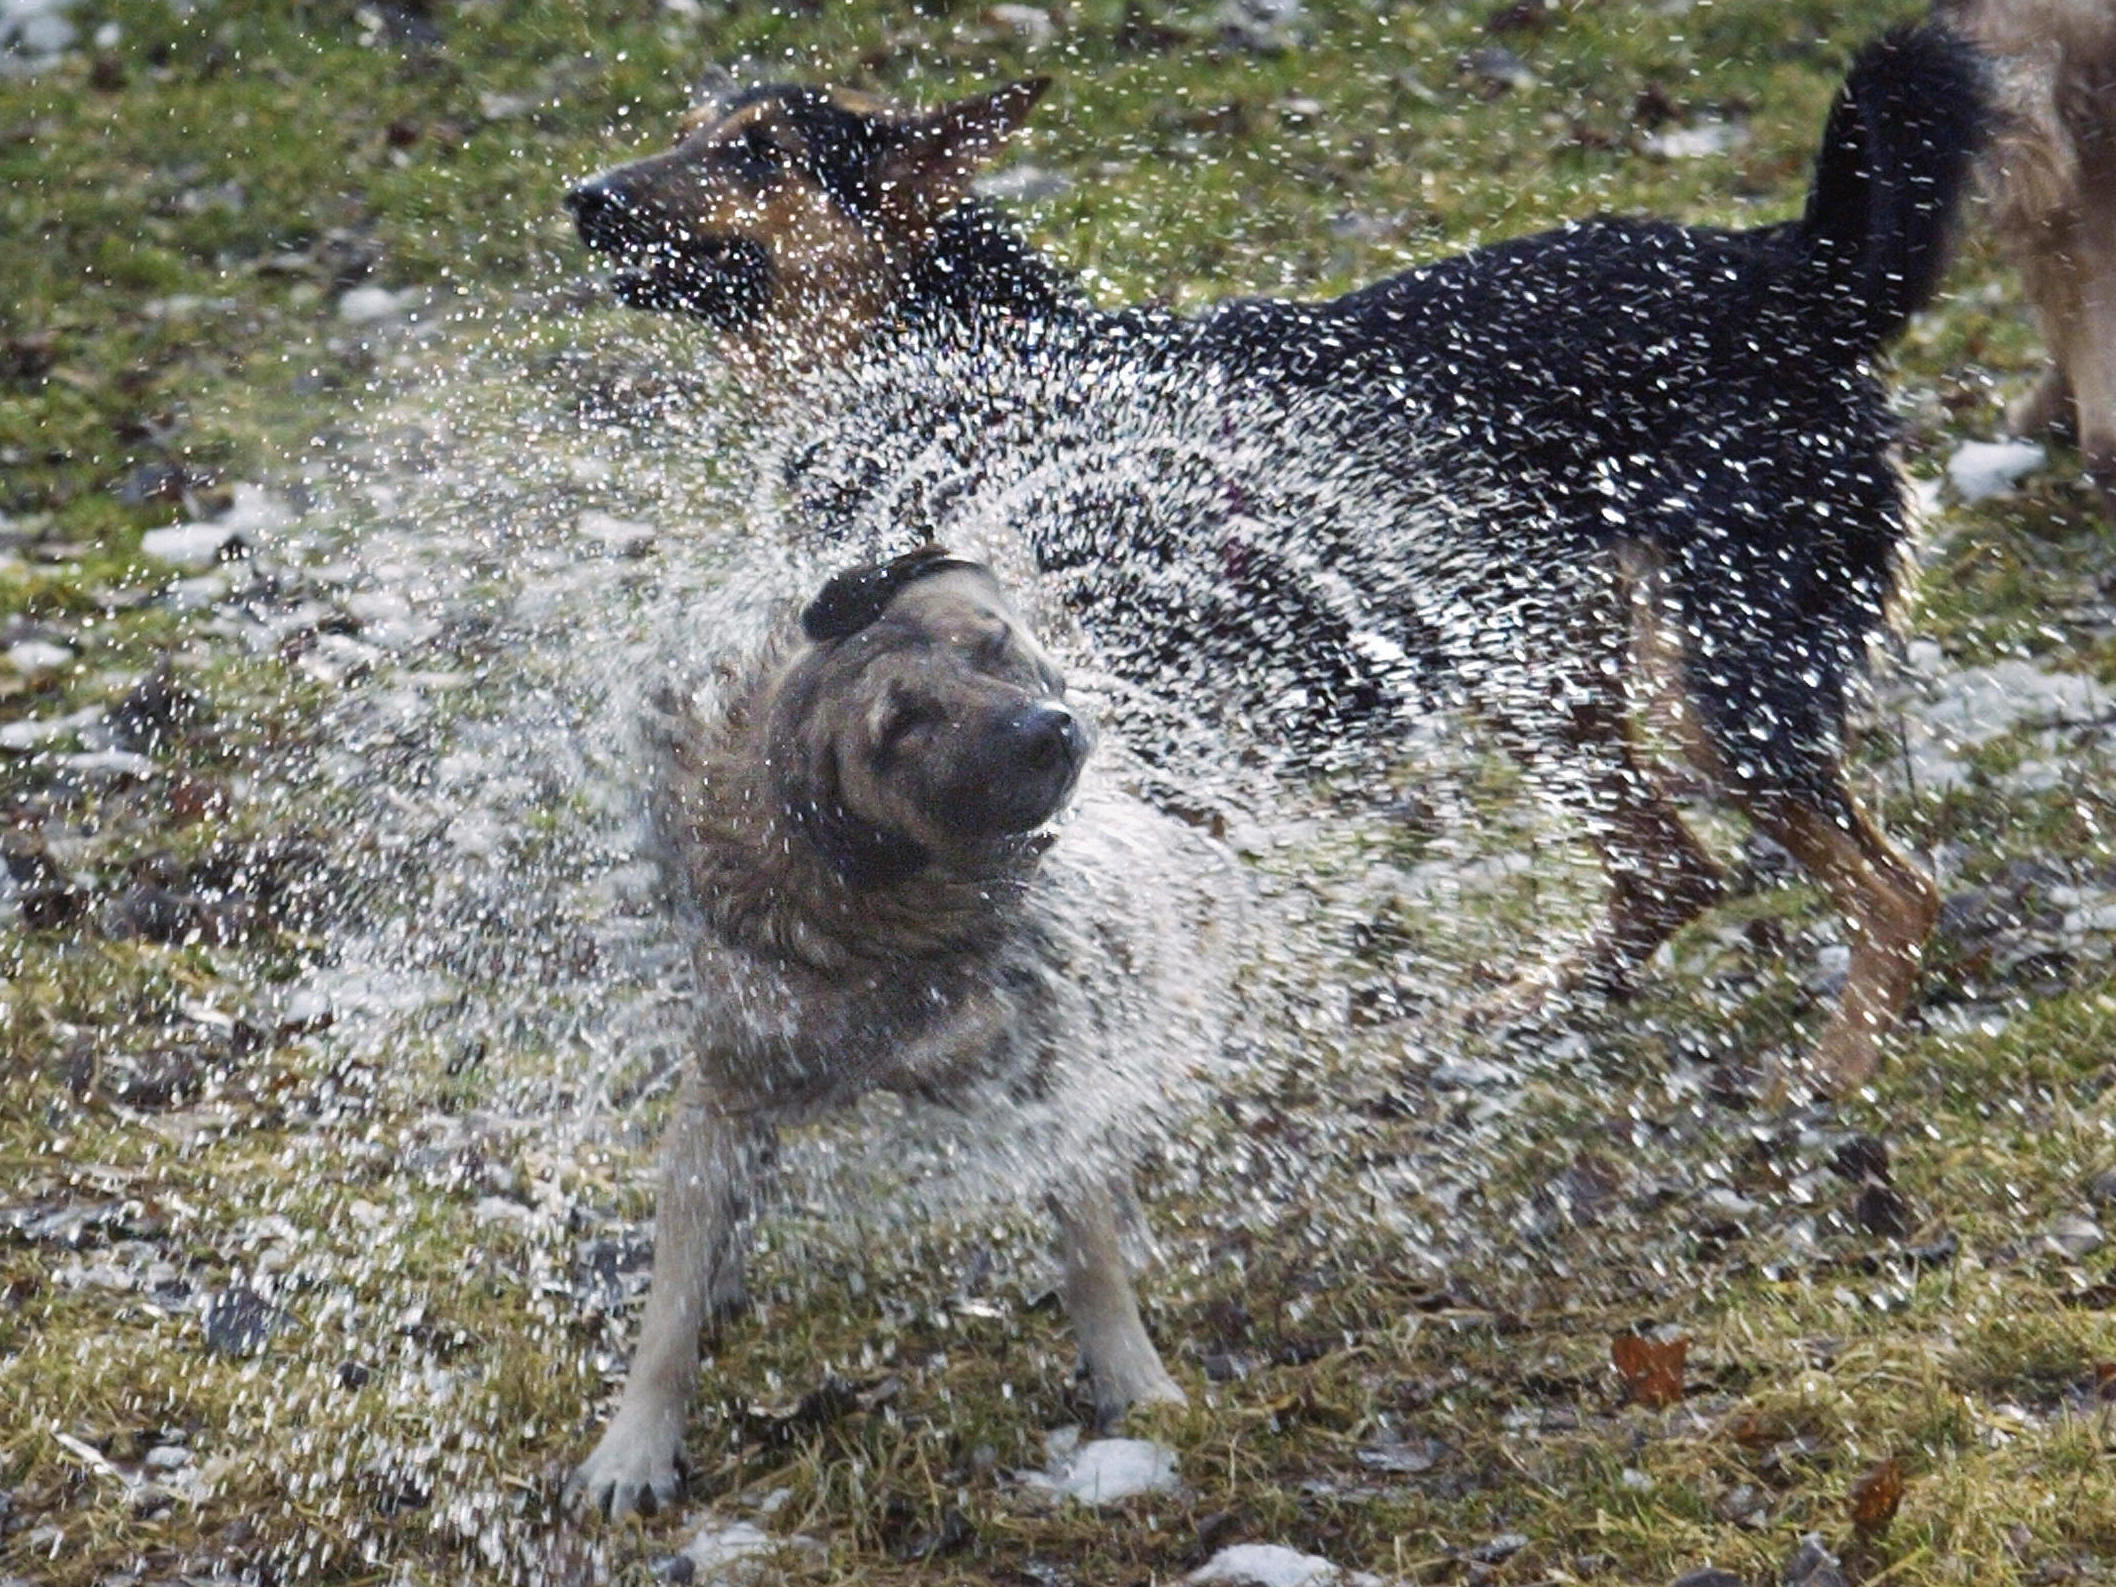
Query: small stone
{"points": [[239, 1321], [1745, 1505], [2101, 1189], [1497, 70], [1882, 1210], [1812, 1565], [1861, 1158], [1709, 1576], [1404, 1459], [1697, 142], [2076, 1235], [621, 537]]}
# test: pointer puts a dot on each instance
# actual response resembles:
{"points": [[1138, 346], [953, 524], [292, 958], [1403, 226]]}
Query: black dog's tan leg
{"points": [[1889, 907], [1122, 1363], [1660, 877], [706, 1170]]}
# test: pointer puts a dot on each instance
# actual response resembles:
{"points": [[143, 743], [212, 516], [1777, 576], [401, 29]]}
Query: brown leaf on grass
{"points": [[1652, 1369], [1874, 1498]]}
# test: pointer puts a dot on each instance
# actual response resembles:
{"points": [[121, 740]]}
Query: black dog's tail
{"points": [[1895, 159]]}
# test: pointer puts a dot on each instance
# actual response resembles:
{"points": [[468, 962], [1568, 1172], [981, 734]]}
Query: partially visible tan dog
{"points": [[2052, 177], [857, 838]]}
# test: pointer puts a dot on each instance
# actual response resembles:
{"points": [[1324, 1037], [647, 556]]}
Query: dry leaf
{"points": [[1652, 1369], [1751, 1429], [1874, 1498]]}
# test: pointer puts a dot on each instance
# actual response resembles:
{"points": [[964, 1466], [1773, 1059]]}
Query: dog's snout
{"points": [[1046, 739], [1051, 738], [587, 199], [600, 207]]}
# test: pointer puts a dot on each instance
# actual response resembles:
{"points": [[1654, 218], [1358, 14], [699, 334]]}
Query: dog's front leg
{"points": [[698, 1236], [1122, 1363]]}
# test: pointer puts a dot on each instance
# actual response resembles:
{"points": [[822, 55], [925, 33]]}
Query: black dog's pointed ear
{"points": [[856, 598], [935, 155], [713, 98]]}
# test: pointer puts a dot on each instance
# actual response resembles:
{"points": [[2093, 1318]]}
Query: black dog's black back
{"points": [[1703, 393]]}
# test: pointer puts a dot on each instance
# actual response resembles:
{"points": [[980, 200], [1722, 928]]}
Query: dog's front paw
{"points": [[1141, 1384], [632, 1469]]}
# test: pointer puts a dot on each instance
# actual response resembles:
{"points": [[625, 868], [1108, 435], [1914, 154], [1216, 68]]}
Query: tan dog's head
{"points": [[785, 215], [923, 727]]}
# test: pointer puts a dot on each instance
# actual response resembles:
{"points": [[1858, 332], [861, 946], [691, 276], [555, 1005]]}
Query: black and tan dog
{"points": [[857, 838], [1648, 421]]}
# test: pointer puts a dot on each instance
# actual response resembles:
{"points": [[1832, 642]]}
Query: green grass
{"points": [[1426, 1268]]}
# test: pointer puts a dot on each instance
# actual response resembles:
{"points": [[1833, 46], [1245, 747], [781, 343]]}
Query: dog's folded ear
{"points": [[856, 598]]}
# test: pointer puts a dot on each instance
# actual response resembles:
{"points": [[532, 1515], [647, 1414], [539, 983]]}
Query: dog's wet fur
{"points": [[1687, 415], [2051, 173], [855, 841]]}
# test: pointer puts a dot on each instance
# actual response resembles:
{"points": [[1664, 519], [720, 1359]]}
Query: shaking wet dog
{"points": [[857, 838]]}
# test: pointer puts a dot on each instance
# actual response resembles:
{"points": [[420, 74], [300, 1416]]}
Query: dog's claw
{"points": [[623, 1477]]}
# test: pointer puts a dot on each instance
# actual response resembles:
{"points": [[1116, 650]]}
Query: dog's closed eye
{"points": [[760, 156], [899, 718]]}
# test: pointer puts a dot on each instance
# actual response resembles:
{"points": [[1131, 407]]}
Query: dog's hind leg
{"points": [[2091, 360], [2046, 408], [707, 1168], [1888, 904], [1122, 1363], [1660, 876]]}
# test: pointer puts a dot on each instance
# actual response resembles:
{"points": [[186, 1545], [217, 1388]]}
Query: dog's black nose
{"points": [[600, 208], [1050, 738]]}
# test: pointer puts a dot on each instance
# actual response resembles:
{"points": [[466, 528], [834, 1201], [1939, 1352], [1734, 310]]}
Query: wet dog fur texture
{"points": [[857, 844], [2051, 176], [1682, 422]]}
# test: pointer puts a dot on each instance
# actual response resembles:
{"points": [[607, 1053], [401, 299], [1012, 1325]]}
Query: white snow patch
{"points": [[624, 537], [33, 656], [1108, 1470], [189, 545], [1022, 184], [255, 517], [1705, 139], [258, 515], [1991, 468], [1977, 704], [733, 1555], [367, 305], [110, 763], [35, 31], [1267, 1565], [35, 732]]}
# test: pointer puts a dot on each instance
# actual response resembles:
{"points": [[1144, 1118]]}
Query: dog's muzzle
{"points": [[1026, 768], [663, 266]]}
